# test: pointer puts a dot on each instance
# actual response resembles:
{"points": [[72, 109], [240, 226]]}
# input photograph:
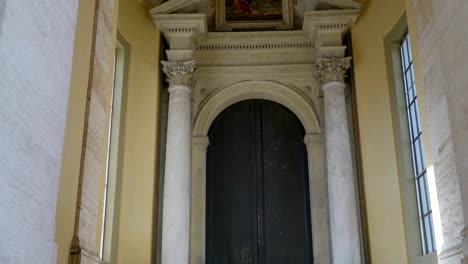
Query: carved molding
{"points": [[312, 141], [331, 19], [326, 22], [180, 73], [191, 26], [200, 143], [209, 47], [331, 69]]}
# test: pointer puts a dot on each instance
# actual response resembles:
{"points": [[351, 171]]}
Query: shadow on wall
{"points": [[2, 15]]}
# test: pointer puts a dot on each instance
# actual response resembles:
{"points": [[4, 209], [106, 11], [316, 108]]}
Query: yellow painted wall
{"points": [[134, 236], [138, 191], [380, 172]]}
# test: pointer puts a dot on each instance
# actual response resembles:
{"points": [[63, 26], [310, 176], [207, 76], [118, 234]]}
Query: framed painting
{"points": [[253, 14]]}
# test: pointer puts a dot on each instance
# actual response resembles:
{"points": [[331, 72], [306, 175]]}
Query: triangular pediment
{"points": [[293, 16], [181, 6]]}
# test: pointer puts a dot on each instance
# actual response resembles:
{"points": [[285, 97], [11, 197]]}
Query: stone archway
{"points": [[304, 109], [291, 98]]}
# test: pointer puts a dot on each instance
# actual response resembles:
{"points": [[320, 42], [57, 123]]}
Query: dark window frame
{"points": [[417, 153]]}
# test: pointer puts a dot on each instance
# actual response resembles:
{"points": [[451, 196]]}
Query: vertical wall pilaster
{"points": [[84, 246], [198, 210], [319, 196]]}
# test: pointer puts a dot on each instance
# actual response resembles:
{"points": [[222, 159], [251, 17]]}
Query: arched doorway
{"points": [[258, 205]]}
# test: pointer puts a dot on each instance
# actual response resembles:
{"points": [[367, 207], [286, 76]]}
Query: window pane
{"points": [[403, 57], [409, 48], [419, 158], [408, 80], [421, 151], [413, 152], [423, 197], [418, 120], [411, 94], [414, 120], [428, 229], [427, 193], [413, 79], [432, 237]]}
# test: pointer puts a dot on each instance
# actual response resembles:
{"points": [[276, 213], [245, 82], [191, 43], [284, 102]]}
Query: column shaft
{"points": [[176, 203], [318, 193], [341, 182], [197, 228]]}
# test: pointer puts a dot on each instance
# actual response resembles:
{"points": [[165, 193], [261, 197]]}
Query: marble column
{"points": [[341, 182], [176, 199]]}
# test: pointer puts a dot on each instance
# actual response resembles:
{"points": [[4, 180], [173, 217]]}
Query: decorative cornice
{"points": [[337, 26], [338, 19], [256, 46], [169, 31], [321, 22], [331, 69], [180, 73], [191, 25]]}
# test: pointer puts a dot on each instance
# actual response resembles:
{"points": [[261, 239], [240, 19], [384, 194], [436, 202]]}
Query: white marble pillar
{"points": [[176, 199], [346, 248]]}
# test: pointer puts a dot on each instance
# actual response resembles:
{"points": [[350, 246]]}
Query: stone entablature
{"points": [[170, 24], [225, 58]]}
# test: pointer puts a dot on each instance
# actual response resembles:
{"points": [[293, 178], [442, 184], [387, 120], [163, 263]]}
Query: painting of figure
{"points": [[252, 10]]}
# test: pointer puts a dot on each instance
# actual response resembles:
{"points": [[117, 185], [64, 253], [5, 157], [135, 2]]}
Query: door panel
{"points": [[285, 185], [231, 221], [257, 187]]}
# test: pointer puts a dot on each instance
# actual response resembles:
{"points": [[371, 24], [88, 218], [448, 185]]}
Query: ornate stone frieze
{"points": [[180, 72], [331, 69], [254, 46]]}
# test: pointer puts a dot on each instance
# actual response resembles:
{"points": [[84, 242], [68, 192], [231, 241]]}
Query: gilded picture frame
{"points": [[234, 15]]}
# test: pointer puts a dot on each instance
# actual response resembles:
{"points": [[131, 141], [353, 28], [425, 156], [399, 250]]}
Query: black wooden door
{"points": [[258, 209]]}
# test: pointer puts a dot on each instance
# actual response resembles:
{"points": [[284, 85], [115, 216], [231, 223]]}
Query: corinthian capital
{"points": [[331, 69], [180, 72]]}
